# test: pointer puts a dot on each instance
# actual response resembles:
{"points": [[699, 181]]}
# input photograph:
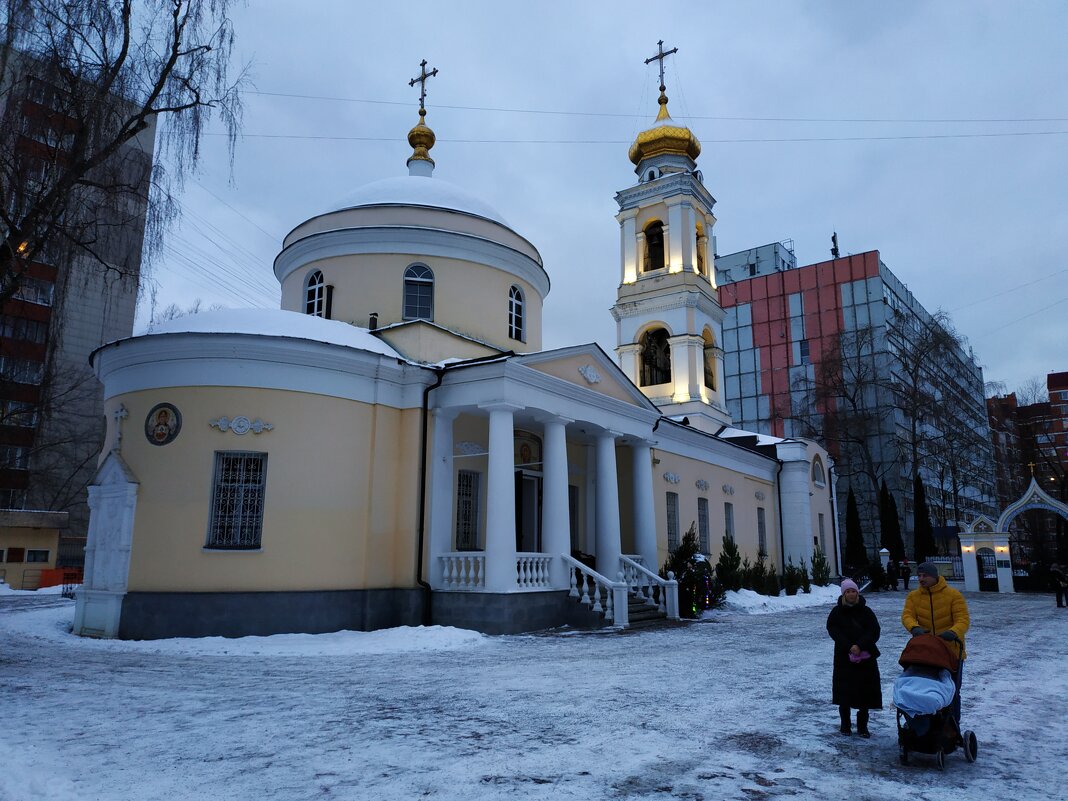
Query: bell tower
{"points": [[669, 324]]}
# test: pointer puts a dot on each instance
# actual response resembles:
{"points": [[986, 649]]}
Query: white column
{"points": [[608, 546], [968, 562], [639, 253], [500, 500], [442, 494], [796, 501], [628, 245], [629, 356], [644, 515], [674, 233], [555, 517]]}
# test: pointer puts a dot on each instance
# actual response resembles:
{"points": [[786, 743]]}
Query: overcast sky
{"points": [[882, 120]]}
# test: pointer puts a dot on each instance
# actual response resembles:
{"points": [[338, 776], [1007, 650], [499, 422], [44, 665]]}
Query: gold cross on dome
{"points": [[421, 80], [660, 56]]}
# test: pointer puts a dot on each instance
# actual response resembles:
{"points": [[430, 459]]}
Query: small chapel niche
{"points": [[656, 358], [654, 246], [701, 270]]}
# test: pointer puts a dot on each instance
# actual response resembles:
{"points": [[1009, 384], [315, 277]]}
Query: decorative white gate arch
{"points": [[984, 533]]}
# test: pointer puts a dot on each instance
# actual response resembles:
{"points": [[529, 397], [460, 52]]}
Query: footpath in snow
{"points": [[735, 706]]}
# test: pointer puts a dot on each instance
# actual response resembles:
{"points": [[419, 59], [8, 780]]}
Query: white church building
{"points": [[393, 446]]}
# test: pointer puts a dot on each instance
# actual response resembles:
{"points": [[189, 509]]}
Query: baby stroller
{"points": [[923, 695]]}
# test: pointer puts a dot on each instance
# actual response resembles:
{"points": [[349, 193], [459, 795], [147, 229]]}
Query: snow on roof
{"points": [[275, 323], [762, 439], [417, 190]]}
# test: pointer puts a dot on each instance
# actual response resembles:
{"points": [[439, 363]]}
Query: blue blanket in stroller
{"points": [[923, 691]]}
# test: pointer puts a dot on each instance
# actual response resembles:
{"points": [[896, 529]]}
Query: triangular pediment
{"points": [[430, 343], [113, 471], [589, 367], [981, 525]]}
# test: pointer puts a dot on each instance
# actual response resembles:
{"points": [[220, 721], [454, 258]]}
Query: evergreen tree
{"points": [[890, 524], [729, 566], [856, 555], [698, 586], [821, 570], [771, 582], [924, 544]]}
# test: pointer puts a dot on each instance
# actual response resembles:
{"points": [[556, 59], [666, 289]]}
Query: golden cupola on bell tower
{"points": [[669, 324]]}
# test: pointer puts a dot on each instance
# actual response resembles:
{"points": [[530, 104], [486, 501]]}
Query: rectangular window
{"points": [[14, 457], [823, 536], [762, 532], [804, 351], [702, 523], [672, 521], [467, 487], [728, 520], [16, 554], [572, 511], [237, 496], [37, 555]]}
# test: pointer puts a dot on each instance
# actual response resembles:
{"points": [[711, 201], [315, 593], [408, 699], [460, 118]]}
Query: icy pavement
{"points": [[734, 707]]}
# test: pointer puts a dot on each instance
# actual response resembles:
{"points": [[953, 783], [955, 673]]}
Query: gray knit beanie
{"points": [[930, 568]]}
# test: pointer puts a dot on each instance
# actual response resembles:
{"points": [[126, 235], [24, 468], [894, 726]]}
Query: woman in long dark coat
{"points": [[855, 684]]}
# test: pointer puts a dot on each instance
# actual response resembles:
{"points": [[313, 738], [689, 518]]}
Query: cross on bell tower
{"points": [[660, 56]]}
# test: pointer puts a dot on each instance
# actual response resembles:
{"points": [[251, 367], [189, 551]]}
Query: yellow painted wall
{"points": [[469, 298], [28, 539], [341, 495], [744, 500]]}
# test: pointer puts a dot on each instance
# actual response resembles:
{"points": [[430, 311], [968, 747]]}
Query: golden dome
{"points": [[665, 138], [421, 138]]}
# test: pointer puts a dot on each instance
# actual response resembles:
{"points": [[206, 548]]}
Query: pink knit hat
{"points": [[849, 584]]}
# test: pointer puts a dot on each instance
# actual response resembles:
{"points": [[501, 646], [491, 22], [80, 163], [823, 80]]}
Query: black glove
{"points": [[917, 631], [948, 635]]}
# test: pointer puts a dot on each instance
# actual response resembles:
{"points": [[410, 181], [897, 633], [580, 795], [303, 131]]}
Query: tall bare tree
{"points": [[103, 73]]}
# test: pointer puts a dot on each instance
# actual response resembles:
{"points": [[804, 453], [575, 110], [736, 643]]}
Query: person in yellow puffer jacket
{"points": [[937, 608]]}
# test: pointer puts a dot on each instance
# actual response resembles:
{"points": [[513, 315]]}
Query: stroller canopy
{"points": [[931, 651]]}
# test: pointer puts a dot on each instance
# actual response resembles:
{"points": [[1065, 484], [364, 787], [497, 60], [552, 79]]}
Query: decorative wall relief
{"points": [[672, 478], [728, 489], [701, 484], [241, 425], [162, 424], [589, 372], [759, 495]]}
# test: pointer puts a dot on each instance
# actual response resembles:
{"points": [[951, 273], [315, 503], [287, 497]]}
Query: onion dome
{"points": [[665, 138], [421, 138]]}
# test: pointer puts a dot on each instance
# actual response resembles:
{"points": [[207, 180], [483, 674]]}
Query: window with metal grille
{"points": [[467, 486], [516, 329], [315, 295], [702, 523], [762, 532], [418, 293], [673, 521], [728, 520], [237, 500]]}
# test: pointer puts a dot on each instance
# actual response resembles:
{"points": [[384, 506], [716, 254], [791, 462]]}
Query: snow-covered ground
{"points": [[736, 706]]}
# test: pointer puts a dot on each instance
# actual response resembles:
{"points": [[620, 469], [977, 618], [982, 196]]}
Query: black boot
{"points": [[843, 713], [862, 723]]}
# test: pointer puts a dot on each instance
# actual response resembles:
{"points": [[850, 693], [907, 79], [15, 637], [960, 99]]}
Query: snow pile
{"points": [[6, 589], [54, 623], [753, 603], [417, 190]]}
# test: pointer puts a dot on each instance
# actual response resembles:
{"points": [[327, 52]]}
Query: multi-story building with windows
{"points": [[842, 351], [68, 303]]}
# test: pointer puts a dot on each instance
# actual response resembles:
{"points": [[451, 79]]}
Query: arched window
{"points": [[656, 358], [418, 293], [315, 295], [654, 246], [818, 476], [516, 326], [710, 360]]}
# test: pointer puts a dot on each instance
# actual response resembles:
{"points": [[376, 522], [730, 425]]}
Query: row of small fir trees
{"points": [[704, 586]]}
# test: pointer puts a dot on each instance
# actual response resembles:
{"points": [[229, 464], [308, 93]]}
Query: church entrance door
{"points": [[527, 511]]}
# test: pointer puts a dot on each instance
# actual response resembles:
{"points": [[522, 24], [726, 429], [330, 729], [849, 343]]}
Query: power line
{"points": [[1002, 293], [564, 113], [780, 140]]}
